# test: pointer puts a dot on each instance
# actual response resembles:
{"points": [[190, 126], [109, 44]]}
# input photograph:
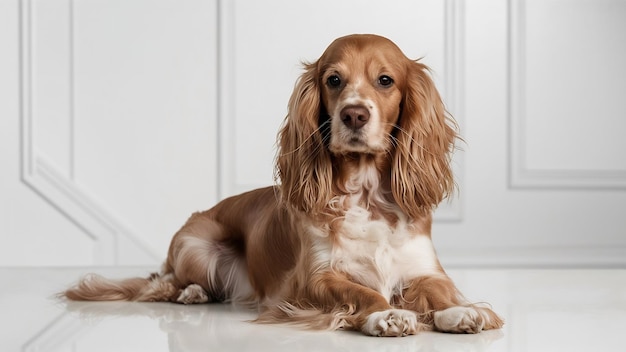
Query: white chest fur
{"points": [[378, 255]]}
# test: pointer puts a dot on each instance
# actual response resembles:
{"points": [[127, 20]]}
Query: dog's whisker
{"points": [[304, 143]]}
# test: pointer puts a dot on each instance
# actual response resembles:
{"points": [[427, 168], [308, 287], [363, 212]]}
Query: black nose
{"points": [[355, 117]]}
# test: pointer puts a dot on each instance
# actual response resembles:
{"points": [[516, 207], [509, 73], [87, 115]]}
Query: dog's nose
{"points": [[355, 117]]}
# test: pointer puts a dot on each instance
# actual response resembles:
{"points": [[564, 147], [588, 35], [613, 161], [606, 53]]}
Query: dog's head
{"points": [[364, 96]]}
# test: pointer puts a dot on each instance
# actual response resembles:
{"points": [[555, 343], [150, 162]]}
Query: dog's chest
{"points": [[379, 254]]}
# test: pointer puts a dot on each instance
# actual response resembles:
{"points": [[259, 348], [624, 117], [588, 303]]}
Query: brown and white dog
{"points": [[343, 240]]}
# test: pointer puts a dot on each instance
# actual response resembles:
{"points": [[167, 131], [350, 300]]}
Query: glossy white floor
{"points": [[545, 310]]}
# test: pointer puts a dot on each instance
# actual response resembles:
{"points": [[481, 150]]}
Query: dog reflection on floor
{"points": [[225, 327]]}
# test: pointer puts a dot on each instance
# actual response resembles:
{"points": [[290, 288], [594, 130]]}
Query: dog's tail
{"points": [[94, 287]]}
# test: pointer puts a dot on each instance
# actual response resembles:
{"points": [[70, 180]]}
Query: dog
{"points": [[343, 240]]}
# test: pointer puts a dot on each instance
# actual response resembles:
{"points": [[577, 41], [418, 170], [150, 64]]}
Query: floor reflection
{"points": [[224, 327]]}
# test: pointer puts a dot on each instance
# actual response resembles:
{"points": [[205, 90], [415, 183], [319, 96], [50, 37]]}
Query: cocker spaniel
{"points": [[343, 241]]}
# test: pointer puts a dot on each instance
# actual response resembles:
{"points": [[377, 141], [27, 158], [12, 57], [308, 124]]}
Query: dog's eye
{"points": [[385, 80], [334, 81]]}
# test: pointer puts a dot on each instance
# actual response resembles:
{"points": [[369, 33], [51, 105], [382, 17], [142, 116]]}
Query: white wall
{"points": [[121, 117]]}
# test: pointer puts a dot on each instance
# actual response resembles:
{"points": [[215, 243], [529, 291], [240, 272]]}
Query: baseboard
{"points": [[534, 257]]}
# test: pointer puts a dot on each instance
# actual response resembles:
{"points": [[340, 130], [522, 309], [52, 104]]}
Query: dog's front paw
{"points": [[460, 320], [391, 322], [193, 294]]}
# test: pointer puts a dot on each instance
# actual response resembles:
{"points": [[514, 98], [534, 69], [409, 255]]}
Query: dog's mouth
{"points": [[357, 141], [354, 142], [353, 137]]}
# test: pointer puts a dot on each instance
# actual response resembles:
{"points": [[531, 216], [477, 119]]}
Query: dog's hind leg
{"points": [[208, 263], [203, 265]]}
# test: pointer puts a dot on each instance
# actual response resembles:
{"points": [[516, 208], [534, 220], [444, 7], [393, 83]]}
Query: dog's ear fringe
{"points": [[426, 136], [303, 166]]}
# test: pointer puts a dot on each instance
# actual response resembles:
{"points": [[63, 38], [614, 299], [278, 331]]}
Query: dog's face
{"points": [[361, 79]]}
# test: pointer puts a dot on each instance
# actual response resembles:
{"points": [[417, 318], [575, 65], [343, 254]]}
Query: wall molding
{"points": [[45, 178], [520, 174], [226, 96], [454, 84]]}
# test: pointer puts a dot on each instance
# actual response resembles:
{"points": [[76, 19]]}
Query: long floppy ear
{"points": [[421, 173], [303, 163]]}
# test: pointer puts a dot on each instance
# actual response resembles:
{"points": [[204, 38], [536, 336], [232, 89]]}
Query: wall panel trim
{"points": [[520, 175], [45, 178]]}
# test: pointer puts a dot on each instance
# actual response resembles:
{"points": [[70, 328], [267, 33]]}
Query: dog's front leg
{"points": [[369, 310], [440, 305]]}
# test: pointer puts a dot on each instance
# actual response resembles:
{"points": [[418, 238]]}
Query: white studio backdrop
{"points": [[119, 118]]}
